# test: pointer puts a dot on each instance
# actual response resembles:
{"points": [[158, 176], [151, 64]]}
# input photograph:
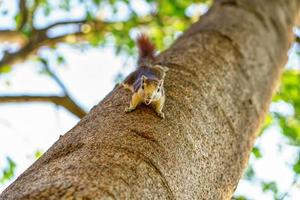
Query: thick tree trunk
{"points": [[222, 74]]}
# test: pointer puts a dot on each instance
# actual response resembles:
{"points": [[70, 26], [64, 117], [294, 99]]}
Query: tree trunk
{"points": [[222, 74]]}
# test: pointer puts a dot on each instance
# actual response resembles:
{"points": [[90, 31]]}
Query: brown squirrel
{"points": [[146, 82]]}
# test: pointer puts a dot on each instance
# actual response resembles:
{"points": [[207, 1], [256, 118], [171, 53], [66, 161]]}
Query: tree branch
{"points": [[64, 101], [13, 37], [76, 22], [58, 82], [23, 14], [32, 11], [286, 194], [40, 38], [55, 77]]}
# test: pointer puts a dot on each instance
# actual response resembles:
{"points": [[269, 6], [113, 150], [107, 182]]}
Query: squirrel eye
{"points": [[143, 87], [158, 89]]}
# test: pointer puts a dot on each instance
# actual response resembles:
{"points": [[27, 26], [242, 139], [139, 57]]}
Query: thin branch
{"points": [[23, 14], [76, 22], [8, 35], [286, 194], [40, 38], [31, 13], [56, 79], [63, 101]]}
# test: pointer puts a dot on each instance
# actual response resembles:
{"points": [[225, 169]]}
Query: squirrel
{"points": [[146, 82]]}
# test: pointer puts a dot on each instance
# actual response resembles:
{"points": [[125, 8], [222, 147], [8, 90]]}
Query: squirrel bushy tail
{"points": [[146, 51]]}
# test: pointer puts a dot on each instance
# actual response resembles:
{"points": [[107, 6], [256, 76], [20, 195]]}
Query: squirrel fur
{"points": [[146, 82]]}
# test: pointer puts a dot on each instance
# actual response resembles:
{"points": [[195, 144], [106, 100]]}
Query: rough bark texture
{"points": [[222, 74]]}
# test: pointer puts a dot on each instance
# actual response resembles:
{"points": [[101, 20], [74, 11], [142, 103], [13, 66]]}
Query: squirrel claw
{"points": [[128, 110], [161, 115]]}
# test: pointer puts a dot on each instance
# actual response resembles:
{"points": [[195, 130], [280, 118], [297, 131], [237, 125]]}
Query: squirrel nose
{"points": [[147, 101]]}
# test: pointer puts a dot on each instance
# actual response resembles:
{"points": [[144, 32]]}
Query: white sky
{"points": [[89, 76]]}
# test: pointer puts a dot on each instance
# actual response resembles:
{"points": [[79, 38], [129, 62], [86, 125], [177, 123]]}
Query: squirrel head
{"points": [[151, 89]]}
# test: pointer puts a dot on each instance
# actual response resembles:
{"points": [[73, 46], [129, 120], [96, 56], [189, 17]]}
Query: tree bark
{"points": [[223, 71]]}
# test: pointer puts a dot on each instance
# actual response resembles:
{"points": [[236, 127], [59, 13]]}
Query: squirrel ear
{"points": [[161, 82], [144, 78]]}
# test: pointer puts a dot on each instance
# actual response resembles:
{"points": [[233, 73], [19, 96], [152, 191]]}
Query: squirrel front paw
{"points": [[128, 110], [161, 115]]}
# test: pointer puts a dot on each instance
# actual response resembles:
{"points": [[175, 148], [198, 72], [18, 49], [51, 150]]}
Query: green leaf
{"points": [[9, 171], [270, 186], [239, 198], [249, 173], [18, 19], [60, 59], [38, 154], [296, 166], [97, 2], [267, 123], [27, 31], [65, 5], [89, 16], [290, 128], [47, 10], [289, 93], [256, 152], [5, 69]]}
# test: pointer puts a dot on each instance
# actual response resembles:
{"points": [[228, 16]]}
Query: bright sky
{"points": [[89, 75]]}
